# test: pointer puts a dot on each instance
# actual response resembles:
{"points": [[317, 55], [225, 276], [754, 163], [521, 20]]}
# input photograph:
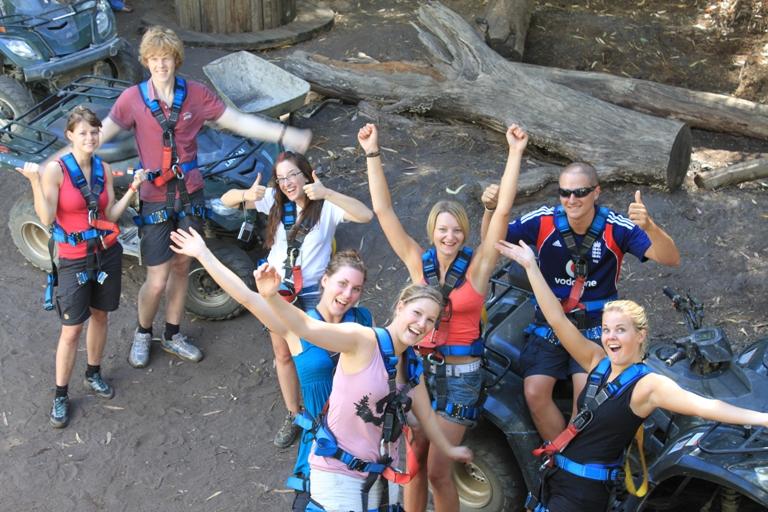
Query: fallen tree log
{"points": [[733, 174], [705, 110], [469, 81], [505, 26]]}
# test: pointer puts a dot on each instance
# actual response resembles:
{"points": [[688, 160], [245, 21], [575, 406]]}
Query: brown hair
{"points": [[418, 291], [346, 258], [84, 114], [159, 40], [454, 209], [310, 212]]}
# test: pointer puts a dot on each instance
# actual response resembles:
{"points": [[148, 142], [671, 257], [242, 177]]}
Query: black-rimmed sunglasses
{"points": [[578, 192]]}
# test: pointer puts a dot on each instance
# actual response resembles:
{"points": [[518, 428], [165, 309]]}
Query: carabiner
{"points": [[177, 170]]}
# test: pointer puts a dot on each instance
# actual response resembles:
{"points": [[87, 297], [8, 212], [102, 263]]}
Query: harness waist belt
{"points": [[545, 332], [599, 472], [590, 306], [164, 215], [454, 370], [474, 349]]}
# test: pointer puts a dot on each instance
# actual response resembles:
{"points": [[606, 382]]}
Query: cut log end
{"points": [[679, 158]]}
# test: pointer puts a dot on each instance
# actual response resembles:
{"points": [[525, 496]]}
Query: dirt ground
{"points": [[179, 436]]}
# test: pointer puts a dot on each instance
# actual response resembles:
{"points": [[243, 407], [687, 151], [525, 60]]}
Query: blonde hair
{"points": [[632, 309], [453, 208], [159, 40]]}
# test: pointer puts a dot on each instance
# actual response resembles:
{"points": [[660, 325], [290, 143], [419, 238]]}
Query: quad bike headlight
{"points": [[103, 18], [22, 49]]}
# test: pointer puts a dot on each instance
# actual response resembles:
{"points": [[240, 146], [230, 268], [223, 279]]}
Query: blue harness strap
{"points": [[579, 252], [474, 349], [546, 332], [456, 272], [599, 472]]}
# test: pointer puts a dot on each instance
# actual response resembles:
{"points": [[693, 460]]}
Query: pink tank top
{"points": [[351, 412], [72, 215], [460, 321]]}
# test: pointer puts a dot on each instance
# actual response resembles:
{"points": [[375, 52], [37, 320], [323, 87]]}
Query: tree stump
{"points": [[234, 16]]}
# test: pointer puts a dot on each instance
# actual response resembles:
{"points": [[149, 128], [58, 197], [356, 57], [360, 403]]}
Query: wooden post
{"points": [[234, 16]]}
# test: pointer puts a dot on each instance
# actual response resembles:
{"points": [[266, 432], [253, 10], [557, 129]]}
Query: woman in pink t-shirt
{"points": [[361, 381]]}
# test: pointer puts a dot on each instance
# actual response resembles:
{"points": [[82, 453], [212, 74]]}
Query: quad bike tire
{"points": [[205, 299], [29, 234], [123, 66], [492, 482], [15, 99]]}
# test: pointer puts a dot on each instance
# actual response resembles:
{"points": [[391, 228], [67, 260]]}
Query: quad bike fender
{"points": [[48, 69], [747, 475], [505, 408]]}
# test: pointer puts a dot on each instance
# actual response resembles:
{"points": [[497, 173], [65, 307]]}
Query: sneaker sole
{"points": [[58, 424], [188, 359], [137, 365], [100, 395]]}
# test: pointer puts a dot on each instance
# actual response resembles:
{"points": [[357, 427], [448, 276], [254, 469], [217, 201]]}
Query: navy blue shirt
{"points": [[621, 236]]}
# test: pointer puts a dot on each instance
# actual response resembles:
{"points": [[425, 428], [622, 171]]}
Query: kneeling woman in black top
{"points": [[603, 441]]}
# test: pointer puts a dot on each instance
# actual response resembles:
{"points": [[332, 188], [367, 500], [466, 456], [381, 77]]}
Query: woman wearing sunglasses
{"points": [[452, 350], [301, 252], [580, 246]]}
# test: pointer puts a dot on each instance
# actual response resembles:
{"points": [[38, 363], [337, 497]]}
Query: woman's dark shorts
{"points": [[542, 357], [73, 301], [156, 238]]}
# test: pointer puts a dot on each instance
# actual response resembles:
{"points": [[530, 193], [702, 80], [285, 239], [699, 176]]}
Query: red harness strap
{"points": [[574, 298], [105, 225], [562, 440], [411, 462]]}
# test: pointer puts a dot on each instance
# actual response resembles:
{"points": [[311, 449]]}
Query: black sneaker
{"points": [[99, 386], [287, 433], [60, 412]]}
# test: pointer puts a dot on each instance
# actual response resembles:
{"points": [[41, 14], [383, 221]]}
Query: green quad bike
{"points": [[47, 43]]}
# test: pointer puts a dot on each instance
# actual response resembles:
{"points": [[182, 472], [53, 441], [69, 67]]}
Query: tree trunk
{"points": [[505, 25], [733, 174], [469, 81], [705, 110]]}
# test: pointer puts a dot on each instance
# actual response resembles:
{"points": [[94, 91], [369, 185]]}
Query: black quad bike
{"points": [[47, 43], [693, 464], [225, 160]]}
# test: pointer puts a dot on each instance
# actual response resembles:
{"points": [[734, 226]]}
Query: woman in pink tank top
{"points": [[360, 384], [90, 257], [452, 350]]}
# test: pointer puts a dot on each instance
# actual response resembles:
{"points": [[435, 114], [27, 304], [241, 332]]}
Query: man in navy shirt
{"points": [[581, 247]]}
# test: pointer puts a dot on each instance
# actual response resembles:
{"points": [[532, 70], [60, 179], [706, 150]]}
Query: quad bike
{"points": [[46, 43], [693, 464], [225, 160]]}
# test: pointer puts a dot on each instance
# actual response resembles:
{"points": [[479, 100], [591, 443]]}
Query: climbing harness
{"points": [[101, 234], [597, 393], [171, 172], [393, 409]]}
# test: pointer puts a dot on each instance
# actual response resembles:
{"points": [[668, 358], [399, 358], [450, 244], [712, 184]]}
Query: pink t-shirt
{"points": [[353, 400], [130, 113]]}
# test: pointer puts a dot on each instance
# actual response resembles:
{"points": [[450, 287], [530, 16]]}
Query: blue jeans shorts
{"points": [[461, 390], [309, 297]]}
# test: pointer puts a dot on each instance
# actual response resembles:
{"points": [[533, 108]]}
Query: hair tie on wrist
{"points": [[132, 187], [374, 154]]}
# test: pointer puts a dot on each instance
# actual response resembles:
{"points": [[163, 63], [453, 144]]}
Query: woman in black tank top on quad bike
{"points": [[584, 461]]}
